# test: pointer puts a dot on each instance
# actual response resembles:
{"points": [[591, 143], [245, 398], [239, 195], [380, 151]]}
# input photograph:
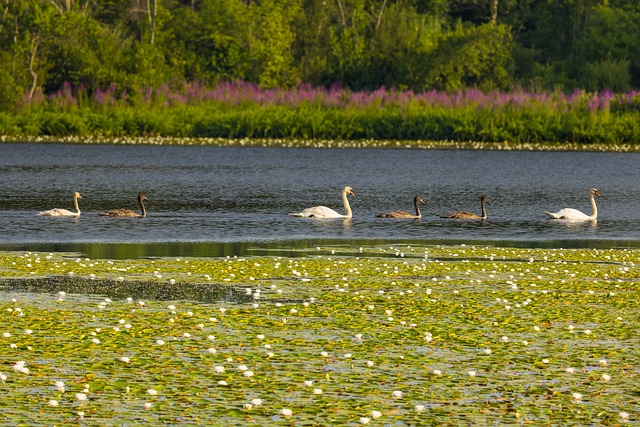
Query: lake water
{"points": [[213, 200]]}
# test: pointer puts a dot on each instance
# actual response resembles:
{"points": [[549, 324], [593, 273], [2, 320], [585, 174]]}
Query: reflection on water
{"points": [[284, 248], [213, 201]]}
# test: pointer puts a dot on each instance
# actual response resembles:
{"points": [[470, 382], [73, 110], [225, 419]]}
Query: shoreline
{"points": [[325, 143]]}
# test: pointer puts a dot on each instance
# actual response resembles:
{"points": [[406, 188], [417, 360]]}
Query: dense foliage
{"points": [[444, 45], [241, 110]]}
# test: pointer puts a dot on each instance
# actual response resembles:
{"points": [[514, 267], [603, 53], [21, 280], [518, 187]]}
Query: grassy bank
{"points": [[235, 111], [352, 336]]}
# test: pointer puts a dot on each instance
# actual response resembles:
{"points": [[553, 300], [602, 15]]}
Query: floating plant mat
{"points": [[388, 335]]}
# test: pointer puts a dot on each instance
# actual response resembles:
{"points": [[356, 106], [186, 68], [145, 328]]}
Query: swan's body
{"points": [[570, 214], [402, 214], [470, 215], [64, 212], [325, 212], [127, 213]]}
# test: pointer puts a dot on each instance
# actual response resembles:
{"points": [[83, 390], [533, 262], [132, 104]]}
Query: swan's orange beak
{"points": [[598, 193], [352, 193]]}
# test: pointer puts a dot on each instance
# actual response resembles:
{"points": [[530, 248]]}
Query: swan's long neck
{"points": [[75, 203], [417, 205], [484, 210], [594, 208], [144, 210], [347, 208]]}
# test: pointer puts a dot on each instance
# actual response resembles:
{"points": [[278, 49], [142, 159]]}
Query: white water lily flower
{"points": [[20, 367], [81, 397], [606, 377], [219, 369], [487, 351], [152, 392], [370, 363], [365, 420], [570, 370], [472, 373], [286, 412], [212, 350], [53, 403], [247, 406], [125, 359], [419, 408], [256, 402], [397, 394], [242, 367], [376, 414], [308, 383], [159, 342], [147, 405], [437, 372], [317, 391], [624, 416], [577, 397], [248, 373], [222, 382], [3, 377]]}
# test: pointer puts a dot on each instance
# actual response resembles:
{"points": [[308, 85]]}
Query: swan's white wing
{"points": [[569, 214], [318, 212]]}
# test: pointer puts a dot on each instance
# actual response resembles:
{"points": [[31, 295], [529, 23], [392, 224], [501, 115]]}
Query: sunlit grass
{"points": [[396, 335]]}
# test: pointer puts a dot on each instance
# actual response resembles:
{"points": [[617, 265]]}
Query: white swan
{"points": [[402, 214], [325, 212], [122, 213], [64, 212], [570, 214]]}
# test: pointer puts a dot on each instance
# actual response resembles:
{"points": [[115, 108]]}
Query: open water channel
{"points": [[209, 201]]}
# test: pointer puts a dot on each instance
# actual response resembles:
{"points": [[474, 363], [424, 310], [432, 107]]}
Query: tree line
{"points": [[418, 45]]}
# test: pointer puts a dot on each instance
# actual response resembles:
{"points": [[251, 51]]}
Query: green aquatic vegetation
{"points": [[390, 334]]}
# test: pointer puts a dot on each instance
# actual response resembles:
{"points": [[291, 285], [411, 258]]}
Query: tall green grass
{"points": [[247, 112]]}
